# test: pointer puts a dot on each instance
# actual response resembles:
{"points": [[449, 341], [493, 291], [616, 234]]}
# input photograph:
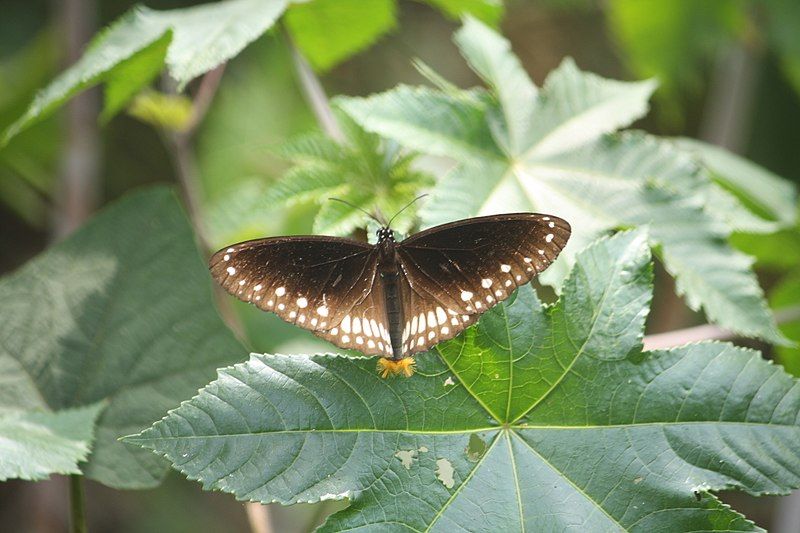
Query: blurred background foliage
{"points": [[729, 74]]}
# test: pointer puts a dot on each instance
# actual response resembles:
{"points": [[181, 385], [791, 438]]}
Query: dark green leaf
{"points": [[537, 418], [119, 313]]}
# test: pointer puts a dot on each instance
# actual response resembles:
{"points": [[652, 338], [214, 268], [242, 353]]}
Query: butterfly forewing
{"points": [[457, 271], [313, 282]]}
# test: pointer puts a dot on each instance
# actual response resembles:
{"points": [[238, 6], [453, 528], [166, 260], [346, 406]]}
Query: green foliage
{"points": [[191, 41], [27, 166], [366, 171], [549, 150], [328, 31], [554, 411], [120, 313], [676, 41], [37, 443], [133, 50]]}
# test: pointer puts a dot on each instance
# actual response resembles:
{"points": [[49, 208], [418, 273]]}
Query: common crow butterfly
{"points": [[392, 299]]}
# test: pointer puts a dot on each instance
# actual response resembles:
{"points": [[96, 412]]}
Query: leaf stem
{"points": [[77, 509], [314, 93], [708, 332], [259, 518]]}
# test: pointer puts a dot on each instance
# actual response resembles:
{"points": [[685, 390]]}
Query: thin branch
{"points": [[314, 93], [77, 507], [259, 517], [78, 191], [708, 332], [181, 146], [205, 95]]}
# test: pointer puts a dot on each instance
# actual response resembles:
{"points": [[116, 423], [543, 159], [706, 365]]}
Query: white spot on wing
{"points": [[466, 295], [445, 330], [486, 283], [231, 270], [280, 291], [322, 310], [549, 237], [257, 287], [356, 326], [345, 325], [302, 303], [505, 268], [440, 316], [227, 257]]}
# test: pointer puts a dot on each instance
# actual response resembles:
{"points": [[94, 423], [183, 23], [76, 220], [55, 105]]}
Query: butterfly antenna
{"points": [[373, 217], [409, 204]]}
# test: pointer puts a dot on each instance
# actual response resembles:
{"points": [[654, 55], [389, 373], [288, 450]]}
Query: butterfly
{"points": [[392, 299]]}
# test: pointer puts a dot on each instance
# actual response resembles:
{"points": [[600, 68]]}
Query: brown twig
{"points": [[314, 93], [707, 332]]}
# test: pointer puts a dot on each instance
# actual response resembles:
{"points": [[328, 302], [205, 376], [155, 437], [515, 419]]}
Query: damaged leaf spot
{"points": [[476, 448], [406, 457], [444, 473], [422, 449], [637, 480], [449, 381]]}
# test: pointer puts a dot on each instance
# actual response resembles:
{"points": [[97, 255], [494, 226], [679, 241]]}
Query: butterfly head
{"points": [[385, 235]]}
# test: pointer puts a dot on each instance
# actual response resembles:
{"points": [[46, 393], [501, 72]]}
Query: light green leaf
{"points": [[572, 168], [35, 444], [490, 56], [771, 195], [130, 51], [121, 313], [578, 107], [365, 170], [451, 125], [555, 412], [329, 31]]}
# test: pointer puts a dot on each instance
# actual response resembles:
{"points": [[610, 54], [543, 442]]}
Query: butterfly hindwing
{"points": [[460, 270], [313, 282]]}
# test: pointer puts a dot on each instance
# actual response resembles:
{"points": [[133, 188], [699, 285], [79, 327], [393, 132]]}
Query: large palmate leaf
{"points": [[552, 150], [120, 313], [538, 418], [132, 51]]}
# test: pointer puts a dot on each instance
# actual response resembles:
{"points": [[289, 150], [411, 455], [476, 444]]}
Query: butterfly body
{"points": [[392, 299]]}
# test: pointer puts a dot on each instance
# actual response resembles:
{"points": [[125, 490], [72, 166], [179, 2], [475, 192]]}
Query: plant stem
{"points": [[314, 93], [708, 332], [77, 510], [77, 190], [258, 517]]}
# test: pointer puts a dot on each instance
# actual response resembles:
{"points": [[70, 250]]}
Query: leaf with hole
{"points": [[556, 412]]}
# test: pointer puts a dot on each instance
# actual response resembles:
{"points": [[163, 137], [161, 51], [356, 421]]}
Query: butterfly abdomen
{"points": [[394, 311]]}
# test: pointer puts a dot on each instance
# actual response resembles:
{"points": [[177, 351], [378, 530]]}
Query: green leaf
{"points": [[35, 444], [555, 155], [785, 297], [768, 193], [554, 412], [365, 171], [121, 313], [674, 41], [783, 16], [431, 121], [130, 52], [329, 31]]}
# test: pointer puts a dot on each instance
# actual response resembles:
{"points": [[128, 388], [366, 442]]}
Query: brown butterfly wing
{"points": [[322, 284], [456, 272]]}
